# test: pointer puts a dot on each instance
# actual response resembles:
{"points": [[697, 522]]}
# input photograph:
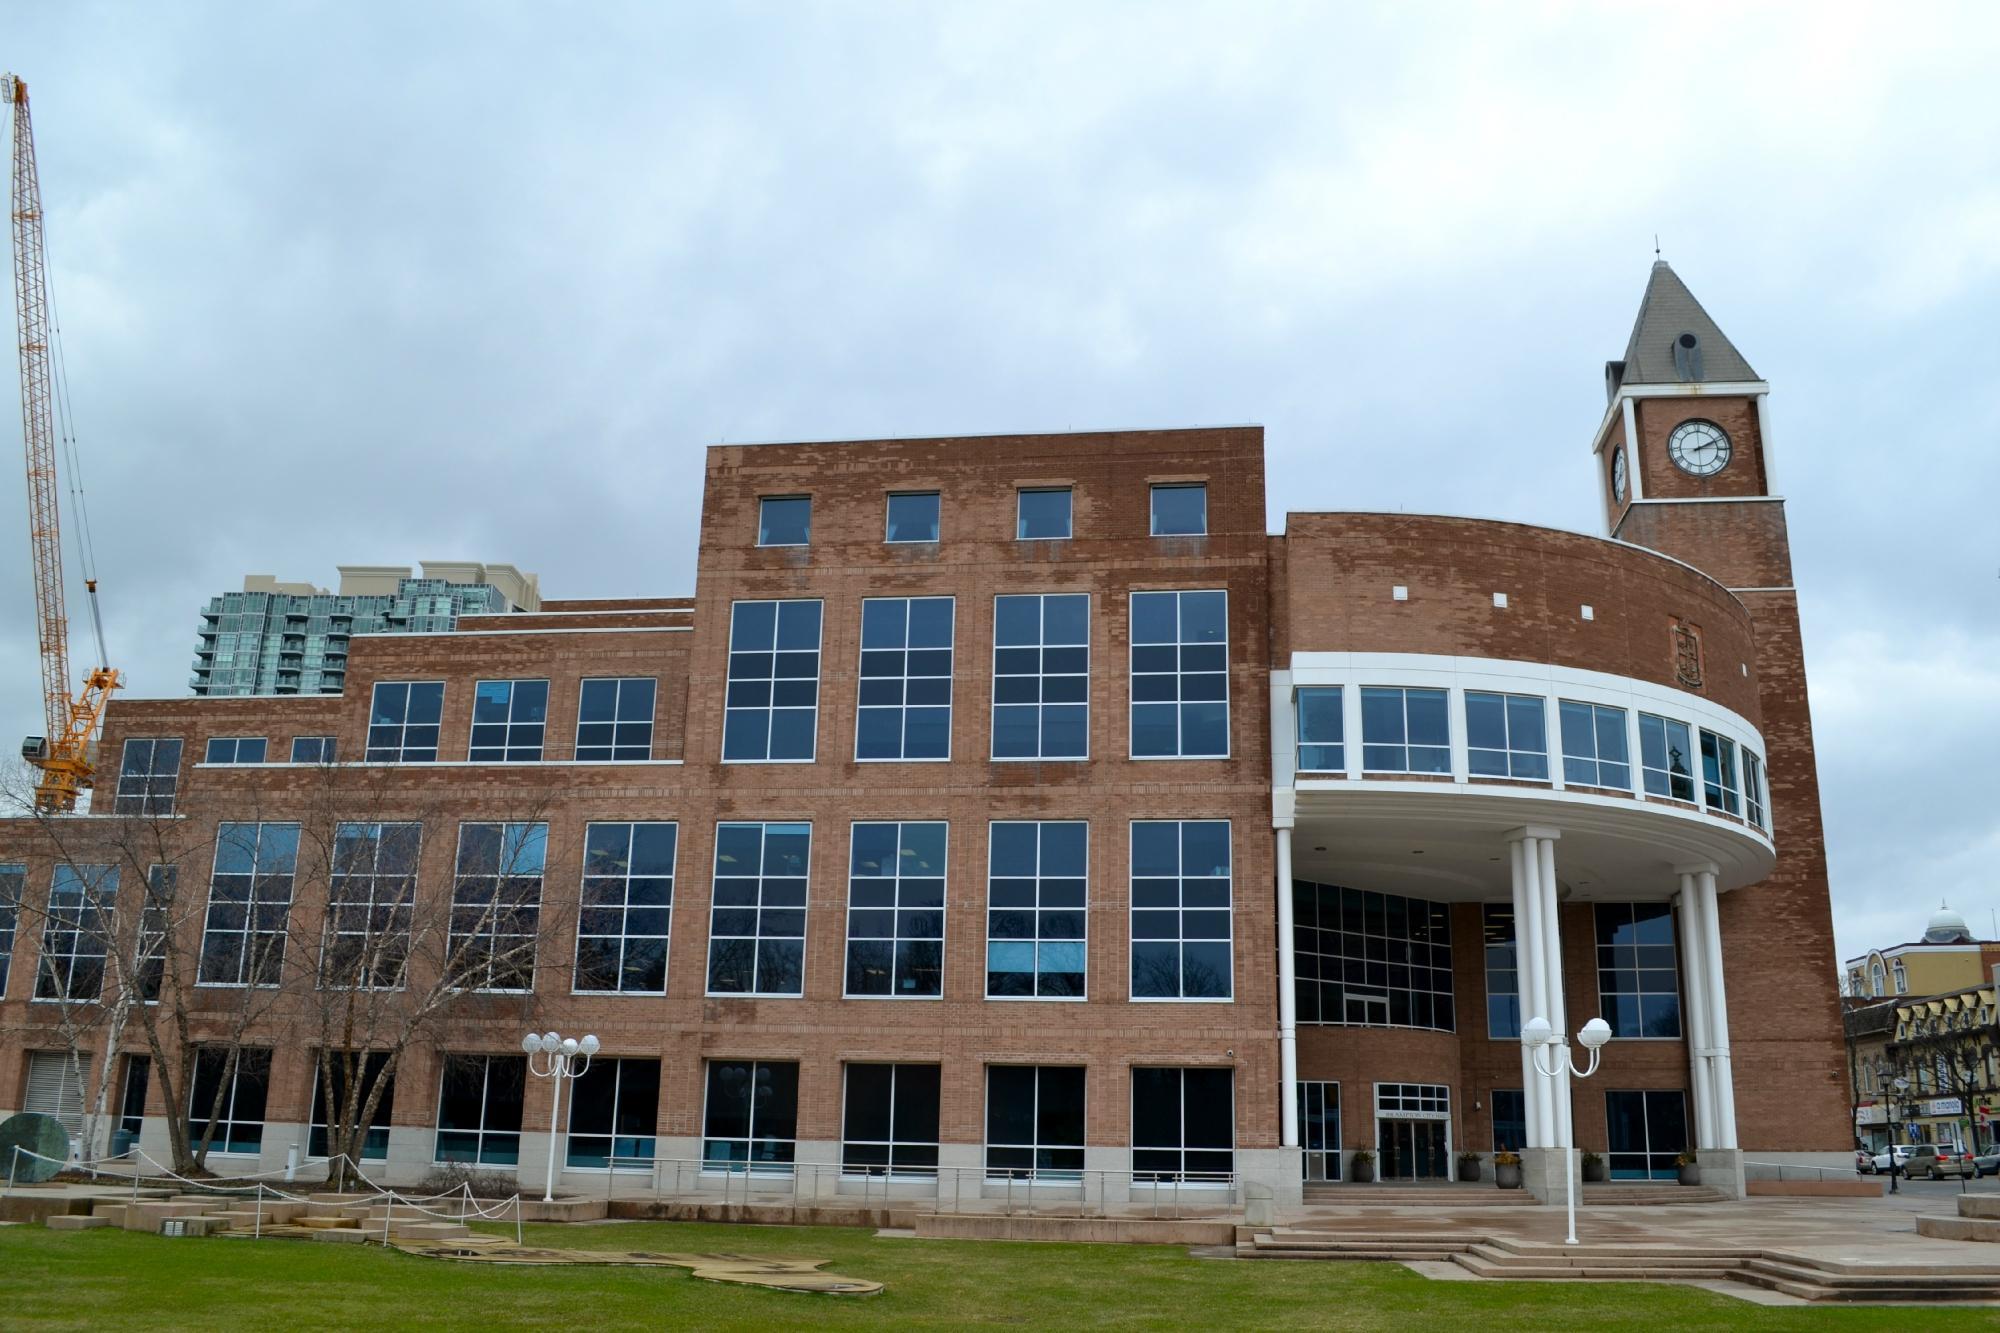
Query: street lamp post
{"points": [[1895, 1085], [1538, 1036], [560, 1063]]}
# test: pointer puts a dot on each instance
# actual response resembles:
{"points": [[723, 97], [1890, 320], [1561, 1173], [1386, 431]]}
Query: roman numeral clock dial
{"points": [[1699, 448]]}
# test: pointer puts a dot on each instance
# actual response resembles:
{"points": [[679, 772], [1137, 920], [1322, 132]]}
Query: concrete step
{"points": [[1960, 1228], [427, 1230], [341, 1235], [79, 1222], [1643, 1196], [330, 1223], [1979, 1205], [1815, 1282], [1585, 1273], [1583, 1256], [1417, 1196]]}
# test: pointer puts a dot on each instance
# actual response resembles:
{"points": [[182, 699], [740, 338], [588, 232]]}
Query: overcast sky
{"points": [[374, 283]]}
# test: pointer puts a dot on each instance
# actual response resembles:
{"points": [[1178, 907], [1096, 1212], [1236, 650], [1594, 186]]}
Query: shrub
{"points": [[455, 1175]]}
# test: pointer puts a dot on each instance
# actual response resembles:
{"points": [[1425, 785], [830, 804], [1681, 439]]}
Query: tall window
{"points": [[370, 893], [496, 906], [1665, 747], [76, 932], [1181, 910], [148, 773], [1753, 789], [234, 750], [1042, 515], [895, 910], [13, 885], [889, 1120], [1595, 753], [1180, 675], [1041, 676], [1372, 959], [1322, 730], [508, 719], [757, 923], [1184, 1124], [1646, 1132], [750, 1117], [479, 1109], [784, 520], [1036, 915], [1503, 973], [1034, 1121], [1638, 990], [1180, 510], [1506, 736], [313, 749], [614, 719], [226, 1099], [403, 722], [132, 1103], [905, 697], [1510, 1120], [913, 517], [155, 919], [340, 1068], [628, 901], [1404, 731], [249, 905], [614, 1114], [772, 709], [1718, 771]]}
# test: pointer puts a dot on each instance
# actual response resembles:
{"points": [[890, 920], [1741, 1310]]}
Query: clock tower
{"points": [[1684, 464]]}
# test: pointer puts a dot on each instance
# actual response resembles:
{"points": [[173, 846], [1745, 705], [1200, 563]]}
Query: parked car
{"points": [[1878, 1163], [1926, 1161], [1986, 1164]]}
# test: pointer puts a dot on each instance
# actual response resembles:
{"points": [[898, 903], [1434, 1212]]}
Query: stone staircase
{"points": [[1801, 1276], [1332, 1195], [1978, 1219], [350, 1218]]}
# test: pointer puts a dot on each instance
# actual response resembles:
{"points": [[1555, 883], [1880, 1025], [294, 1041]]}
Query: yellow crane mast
{"points": [[64, 754]]}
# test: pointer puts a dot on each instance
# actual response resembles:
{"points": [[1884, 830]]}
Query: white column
{"points": [[1718, 1013], [1534, 992], [1543, 846], [1632, 477], [1524, 968], [1288, 998], [1694, 971]]}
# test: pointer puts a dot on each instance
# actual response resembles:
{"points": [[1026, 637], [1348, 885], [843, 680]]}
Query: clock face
{"points": [[1618, 475], [1699, 448]]}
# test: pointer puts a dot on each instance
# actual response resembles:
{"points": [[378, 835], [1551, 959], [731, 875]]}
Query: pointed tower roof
{"points": [[1658, 352]]}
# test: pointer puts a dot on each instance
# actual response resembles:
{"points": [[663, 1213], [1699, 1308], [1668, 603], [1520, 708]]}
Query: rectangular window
{"points": [[1183, 1125], [1503, 973], [13, 887], [784, 520], [370, 891], [132, 1103], [312, 749], [1404, 731], [1595, 753], [76, 932], [226, 1099], [904, 707], [1181, 910], [628, 902], [1042, 515], [895, 911], [148, 772], [1180, 675], [614, 719], [1322, 730], [496, 906], [1371, 959], [249, 905], [1041, 676], [1034, 1121], [889, 1121], [1506, 736], [1638, 988], [1180, 510], [1037, 909], [614, 1115], [155, 919], [479, 1109], [1753, 789], [1665, 747], [1647, 1132], [1718, 772], [750, 1117], [234, 750], [913, 517], [772, 708], [1510, 1120], [508, 719], [342, 1067], [757, 923], [403, 722]]}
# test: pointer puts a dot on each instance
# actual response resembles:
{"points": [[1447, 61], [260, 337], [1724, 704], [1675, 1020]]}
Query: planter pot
{"points": [[1361, 1173], [1468, 1170], [1507, 1177], [1593, 1173], [1690, 1175]]}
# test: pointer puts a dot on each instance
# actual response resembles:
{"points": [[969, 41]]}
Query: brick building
{"points": [[1019, 806]]}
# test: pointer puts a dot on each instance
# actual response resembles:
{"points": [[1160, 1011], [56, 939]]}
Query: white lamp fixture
{"points": [[1538, 1036], [562, 1063]]}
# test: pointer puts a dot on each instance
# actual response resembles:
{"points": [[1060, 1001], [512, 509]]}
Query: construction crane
{"points": [[64, 754]]}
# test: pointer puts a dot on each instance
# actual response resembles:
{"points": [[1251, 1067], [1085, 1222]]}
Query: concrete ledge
{"points": [[77, 1222], [1860, 1187], [1979, 1205], [828, 1214], [1103, 1230], [1938, 1228]]}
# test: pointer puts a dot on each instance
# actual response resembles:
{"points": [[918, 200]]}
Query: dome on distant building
{"points": [[1947, 927]]}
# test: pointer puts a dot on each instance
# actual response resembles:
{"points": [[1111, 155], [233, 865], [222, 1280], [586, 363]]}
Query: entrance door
{"points": [[1319, 1129], [1413, 1150], [1648, 1130]]}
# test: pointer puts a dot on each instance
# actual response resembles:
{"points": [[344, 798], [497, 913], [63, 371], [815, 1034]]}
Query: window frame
{"points": [[897, 910], [13, 896], [1405, 744], [1179, 674], [1490, 920], [400, 902], [481, 1134], [253, 900], [904, 680], [1727, 782], [88, 923], [1181, 1176], [1069, 513], [617, 722], [1153, 507], [804, 909], [402, 749], [763, 523], [328, 749], [1615, 959], [748, 1165], [316, 1112], [534, 833], [1036, 1174], [889, 537], [625, 906], [224, 1144], [507, 751], [770, 709], [1082, 912], [1513, 753], [236, 746], [1181, 910], [1041, 678], [613, 1160], [1323, 910], [149, 799], [1595, 759], [1755, 805], [890, 1170], [1664, 728], [1301, 743]]}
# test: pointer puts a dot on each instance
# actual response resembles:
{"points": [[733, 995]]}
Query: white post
{"points": [[1288, 999], [1694, 968], [1636, 482], [555, 1123], [1541, 845], [1524, 935], [1534, 993], [1718, 1013]]}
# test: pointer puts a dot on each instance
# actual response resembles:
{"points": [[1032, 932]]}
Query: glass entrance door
{"points": [[1413, 1150], [1648, 1130], [1319, 1129]]}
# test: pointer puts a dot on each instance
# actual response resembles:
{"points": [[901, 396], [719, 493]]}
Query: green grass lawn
{"points": [[104, 1280]]}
